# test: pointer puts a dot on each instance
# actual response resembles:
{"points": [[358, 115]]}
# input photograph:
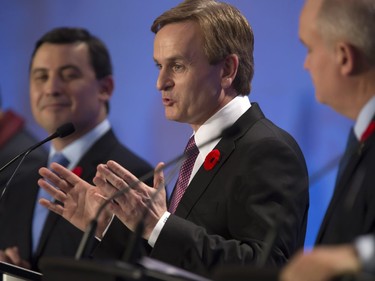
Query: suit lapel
{"points": [[344, 183], [203, 178], [339, 191]]}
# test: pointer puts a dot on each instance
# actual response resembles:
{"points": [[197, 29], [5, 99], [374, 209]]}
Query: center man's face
{"points": [[190, 87]]}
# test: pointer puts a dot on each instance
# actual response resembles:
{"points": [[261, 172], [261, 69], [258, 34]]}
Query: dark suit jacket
{"points": [[351, 211], [226, 213], [14, 139], [19, 142], [59, 238]]}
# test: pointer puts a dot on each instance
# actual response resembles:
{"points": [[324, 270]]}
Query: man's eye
{"points": [[178, 68], [70, 75], [41, 77]]}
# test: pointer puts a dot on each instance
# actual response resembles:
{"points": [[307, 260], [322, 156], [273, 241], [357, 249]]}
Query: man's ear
{"points": [[229, 70], [347, 58], [106, 85]]}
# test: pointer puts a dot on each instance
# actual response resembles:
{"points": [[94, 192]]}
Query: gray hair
{"points": [[349, 20]]}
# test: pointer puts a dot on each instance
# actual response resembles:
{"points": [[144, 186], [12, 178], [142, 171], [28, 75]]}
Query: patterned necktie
{"points": [[351, 145], [191, 151], [40, 212]]}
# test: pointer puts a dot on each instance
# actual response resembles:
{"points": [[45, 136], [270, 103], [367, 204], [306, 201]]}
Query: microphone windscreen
{"points": [[65, 130]]}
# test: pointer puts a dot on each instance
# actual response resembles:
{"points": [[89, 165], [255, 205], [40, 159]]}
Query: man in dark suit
{"points": [[242, 184], [70, 81], [340, 37]]}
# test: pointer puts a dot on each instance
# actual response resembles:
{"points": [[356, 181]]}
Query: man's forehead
{"points": [[49, 53], [178, 41]]}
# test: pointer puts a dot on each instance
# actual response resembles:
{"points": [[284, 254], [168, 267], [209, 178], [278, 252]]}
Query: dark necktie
{"points": [[40, 212], [351, 146], [191, 151]]}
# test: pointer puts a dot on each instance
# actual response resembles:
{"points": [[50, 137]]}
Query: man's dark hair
{"points": [[98, 52]]}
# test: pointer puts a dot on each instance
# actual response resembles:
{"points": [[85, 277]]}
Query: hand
{"points": [[79, 199], [321, 264], [11, 255], [130, 206]]}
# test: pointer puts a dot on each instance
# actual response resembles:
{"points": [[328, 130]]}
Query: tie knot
{"points": [[191, 147], [60, 158]]}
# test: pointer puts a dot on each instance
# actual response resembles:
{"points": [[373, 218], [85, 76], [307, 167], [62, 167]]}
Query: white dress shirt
{"points": [[74, 151], [221, 120]]}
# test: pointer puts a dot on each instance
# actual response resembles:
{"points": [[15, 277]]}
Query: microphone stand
{"points": [[27, 151], [5, 188], [61, 132]]}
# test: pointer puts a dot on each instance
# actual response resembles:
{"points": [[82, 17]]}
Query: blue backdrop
{"points": [[280, 85]]}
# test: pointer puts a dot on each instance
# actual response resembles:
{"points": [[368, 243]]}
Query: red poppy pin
{"points": [[368, 132], [78, 171], [211, 160]]}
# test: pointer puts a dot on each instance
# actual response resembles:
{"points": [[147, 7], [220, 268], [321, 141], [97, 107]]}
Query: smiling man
{"points": [[70, 81]]}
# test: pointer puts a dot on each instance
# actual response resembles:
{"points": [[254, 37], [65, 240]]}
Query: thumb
{"points": [[159, 181]]}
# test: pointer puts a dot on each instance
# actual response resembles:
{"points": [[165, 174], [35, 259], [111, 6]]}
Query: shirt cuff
{"points": [[365, 247], [158, 228], [105, 230]]}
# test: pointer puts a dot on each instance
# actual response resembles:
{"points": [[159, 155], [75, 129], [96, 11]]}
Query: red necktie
{"points": [[191, 152]]}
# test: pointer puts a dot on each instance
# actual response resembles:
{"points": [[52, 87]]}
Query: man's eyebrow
{"points": [[70, 66], [171, 59], [43, 69], [38, 69]]}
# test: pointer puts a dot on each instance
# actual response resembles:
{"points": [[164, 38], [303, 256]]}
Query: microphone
{"points": [[61, 132], [88, 240]]}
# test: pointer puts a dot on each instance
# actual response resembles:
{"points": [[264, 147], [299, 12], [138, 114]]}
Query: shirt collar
{"points": [[222, 119], [364, 118], [74, 151]]}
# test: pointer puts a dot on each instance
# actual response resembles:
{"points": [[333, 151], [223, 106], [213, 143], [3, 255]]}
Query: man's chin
{"points": [[51, 127]]}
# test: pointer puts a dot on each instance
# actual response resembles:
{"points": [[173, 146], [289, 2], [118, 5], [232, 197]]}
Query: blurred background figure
{"points": [[15, 138], [340, 38], [70, 80]]}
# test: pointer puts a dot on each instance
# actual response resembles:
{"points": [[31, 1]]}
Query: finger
{"points": [[55, 180], [54, 207], [131, 181], [121, 172], [3, 257], [115, 209], [52, 190], [13, 255], [65, 173], [100, 197], [111, 177], [159, 180], [106, 189]]}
